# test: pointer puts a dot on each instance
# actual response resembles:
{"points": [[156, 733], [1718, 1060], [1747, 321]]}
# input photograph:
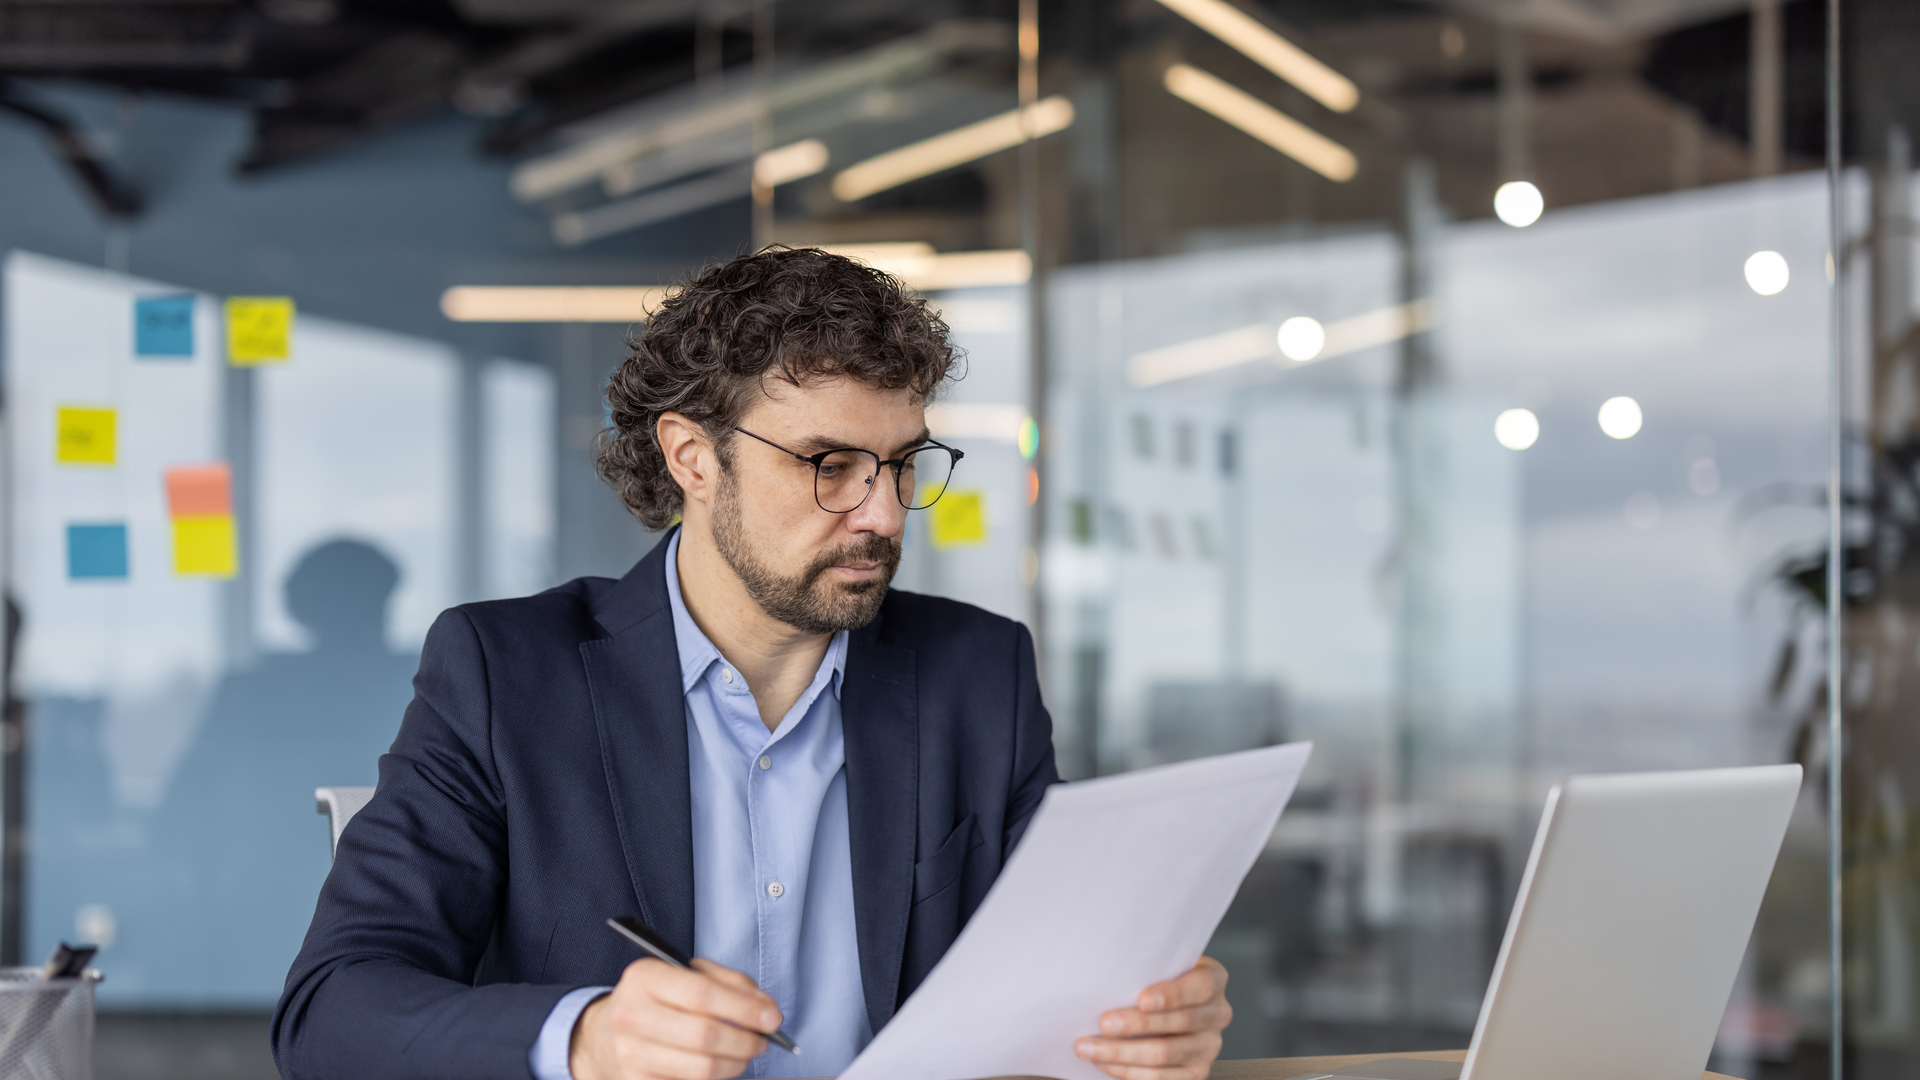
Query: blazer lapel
{"points": [[634, 676], [879, 711]]}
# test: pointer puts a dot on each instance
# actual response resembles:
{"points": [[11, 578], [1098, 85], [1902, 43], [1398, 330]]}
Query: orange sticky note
{"points": [[200, 491]]}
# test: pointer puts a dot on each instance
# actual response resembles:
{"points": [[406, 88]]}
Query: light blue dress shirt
{"points": [[772, 869]]}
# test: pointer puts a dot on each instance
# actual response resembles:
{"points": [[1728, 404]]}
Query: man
{"points": [[791, 773]]}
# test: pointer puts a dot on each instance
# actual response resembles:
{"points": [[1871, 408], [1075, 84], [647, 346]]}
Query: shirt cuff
{"points": [[549, 1057]]}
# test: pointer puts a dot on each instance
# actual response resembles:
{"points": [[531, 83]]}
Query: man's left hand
{"points": [[1172, 1033]]}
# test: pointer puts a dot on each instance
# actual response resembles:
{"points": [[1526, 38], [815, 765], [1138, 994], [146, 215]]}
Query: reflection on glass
{"points": [[1620, 417], [1518, 203], [230, 890], [1767, 272], [1516, 429], [1872, 676], [1454, 623], [1289, 413], [180, 721], [1301, 338]]}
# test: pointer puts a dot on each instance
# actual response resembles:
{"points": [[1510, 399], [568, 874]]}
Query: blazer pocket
{"points": [[935, 873]]}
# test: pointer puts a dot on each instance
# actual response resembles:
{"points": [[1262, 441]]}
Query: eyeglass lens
{"points": [[844, 477]]}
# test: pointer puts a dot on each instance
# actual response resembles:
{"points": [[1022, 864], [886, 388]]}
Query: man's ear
{"points": [[690, 456]]}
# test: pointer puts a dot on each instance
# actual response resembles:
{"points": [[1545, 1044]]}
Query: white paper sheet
{"points": [[1118, 884]]}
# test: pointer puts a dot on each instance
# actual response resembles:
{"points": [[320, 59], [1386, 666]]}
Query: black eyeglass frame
{"points": [[816, 460]]}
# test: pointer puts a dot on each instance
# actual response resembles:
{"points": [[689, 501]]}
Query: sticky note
{"points": [[204, 546], [163, 325], [259, 329], [97, 551], [959, 519], [84, 436], [200, 491]]}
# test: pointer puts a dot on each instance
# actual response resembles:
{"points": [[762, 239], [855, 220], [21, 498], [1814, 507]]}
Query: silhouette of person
{"points": [[238, 835]]}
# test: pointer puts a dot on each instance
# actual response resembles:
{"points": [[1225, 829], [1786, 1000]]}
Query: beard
{"points": [[804, 601]]}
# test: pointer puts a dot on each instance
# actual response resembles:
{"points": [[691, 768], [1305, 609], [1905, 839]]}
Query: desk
{"points": [[1278, 1068]]}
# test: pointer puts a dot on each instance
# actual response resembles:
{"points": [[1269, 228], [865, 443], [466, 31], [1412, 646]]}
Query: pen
{"points": [[661, 949]]}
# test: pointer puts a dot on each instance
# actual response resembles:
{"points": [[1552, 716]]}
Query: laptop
{"points": [[1628, 931]]}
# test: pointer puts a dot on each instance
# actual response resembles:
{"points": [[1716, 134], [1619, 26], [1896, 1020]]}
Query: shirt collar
{"points": [[697, 653]]}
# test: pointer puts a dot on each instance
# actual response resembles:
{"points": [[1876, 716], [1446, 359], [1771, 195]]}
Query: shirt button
{"points": [[766, 762], [726, 674], [774, 890]]}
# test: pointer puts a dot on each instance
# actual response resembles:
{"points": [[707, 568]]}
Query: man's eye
{"points": [[829, 469]]}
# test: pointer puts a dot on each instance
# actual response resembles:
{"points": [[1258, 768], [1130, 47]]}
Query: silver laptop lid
{"points": [[1630, 924]]}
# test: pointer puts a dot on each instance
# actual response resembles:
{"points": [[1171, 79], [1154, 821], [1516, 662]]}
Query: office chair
{"points": [[340, 804]]}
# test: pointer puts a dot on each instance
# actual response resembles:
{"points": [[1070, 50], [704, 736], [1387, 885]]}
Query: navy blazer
{"points": [[540, 784]]}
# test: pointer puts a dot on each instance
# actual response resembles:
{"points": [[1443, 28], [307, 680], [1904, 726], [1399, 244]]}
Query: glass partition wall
{"points": [[914, 163], [1871, 567], [1448, 383], [1440, 405]]}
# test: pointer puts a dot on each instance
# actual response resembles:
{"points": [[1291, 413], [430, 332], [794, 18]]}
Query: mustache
{"points": [[874, 548]]}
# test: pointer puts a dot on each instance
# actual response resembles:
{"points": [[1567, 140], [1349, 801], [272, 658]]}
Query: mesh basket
{"points": [[46, 1027]]}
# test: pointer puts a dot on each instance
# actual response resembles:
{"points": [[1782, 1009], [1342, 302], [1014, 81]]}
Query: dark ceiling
{"points": [[319, 73]]}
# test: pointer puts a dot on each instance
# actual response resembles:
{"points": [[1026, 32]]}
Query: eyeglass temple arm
{"points": [[816, 459]]}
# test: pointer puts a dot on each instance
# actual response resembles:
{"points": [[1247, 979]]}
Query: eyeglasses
{"points": [[842, 479]]}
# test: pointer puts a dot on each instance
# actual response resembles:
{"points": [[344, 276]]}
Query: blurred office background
{"points": [[1449, 382]]}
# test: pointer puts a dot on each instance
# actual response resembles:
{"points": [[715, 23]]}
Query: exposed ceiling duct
{"points": [[621, 112], [722, 120], [115, 197], [695, 147], [500, 82], [1600, 20], [82, 37]]}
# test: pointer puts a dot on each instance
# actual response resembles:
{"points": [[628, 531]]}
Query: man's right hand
{"points": [[673, 1024]]}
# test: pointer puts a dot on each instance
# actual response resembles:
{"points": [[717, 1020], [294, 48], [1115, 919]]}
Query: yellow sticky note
{"points": [[204, 546], [84, 436], [259, 329], [959, 519]]}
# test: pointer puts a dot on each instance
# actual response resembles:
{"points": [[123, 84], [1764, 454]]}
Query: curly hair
{"points": [[798, 314]]}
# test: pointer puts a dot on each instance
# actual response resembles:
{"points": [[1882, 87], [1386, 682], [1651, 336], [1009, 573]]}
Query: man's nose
{"points": [[882, 512]]}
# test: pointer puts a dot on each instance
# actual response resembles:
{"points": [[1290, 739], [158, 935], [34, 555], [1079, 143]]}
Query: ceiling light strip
{"points": [[1218, 352], [551, 303], [1270, 50], [925, 271], [953, 148], [952, 420], [673, 119], [917, 264], [794, 161], [1262, 121], [549, 176], [1382, 327], [578, 227]]}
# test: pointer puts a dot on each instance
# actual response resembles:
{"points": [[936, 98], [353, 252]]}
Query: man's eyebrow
{"points": [[814, 444]]}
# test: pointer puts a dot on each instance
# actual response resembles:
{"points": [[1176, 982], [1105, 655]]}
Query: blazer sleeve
{"points": [[384, 985], [1033, 765]]}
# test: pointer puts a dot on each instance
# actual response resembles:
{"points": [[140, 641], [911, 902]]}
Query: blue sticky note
{"points": [[163, 325], [97, 551]]}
